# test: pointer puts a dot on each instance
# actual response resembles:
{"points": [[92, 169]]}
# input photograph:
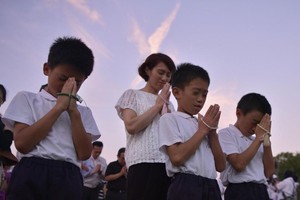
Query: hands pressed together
{"points": [[67, 98], [163, 98], [211, 119], [263, 130]]}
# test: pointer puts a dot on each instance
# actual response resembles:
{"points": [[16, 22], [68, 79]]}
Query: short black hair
{"points": [[3, 90], [71, 51], [254, 102], [98, 144], [186, 72], [152, 60], [122, 150]]}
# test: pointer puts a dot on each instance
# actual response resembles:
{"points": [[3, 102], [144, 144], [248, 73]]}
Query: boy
{"points": [[191, 145], [53, 133], [249, 158]]}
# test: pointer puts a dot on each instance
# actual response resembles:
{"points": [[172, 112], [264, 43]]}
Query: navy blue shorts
{"points": [[45, 179], [246, 191], [147, 181], [191, 187]]}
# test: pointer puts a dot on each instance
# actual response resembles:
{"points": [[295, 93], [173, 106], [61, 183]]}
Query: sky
{"points": [[246, 46]]}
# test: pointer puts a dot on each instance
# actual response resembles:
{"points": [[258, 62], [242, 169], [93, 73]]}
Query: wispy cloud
{"points": [[83, 7], [152, 44], [161, 32]]}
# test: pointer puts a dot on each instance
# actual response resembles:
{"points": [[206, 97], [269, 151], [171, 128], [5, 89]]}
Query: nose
{"points": [[166, 78]]}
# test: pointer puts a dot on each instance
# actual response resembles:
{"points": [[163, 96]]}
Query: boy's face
{"points": [[191, 99], [59, 75], [247, 123]]}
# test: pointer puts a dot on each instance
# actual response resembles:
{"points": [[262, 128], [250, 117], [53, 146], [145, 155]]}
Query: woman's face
{"points": [[158, 76]]}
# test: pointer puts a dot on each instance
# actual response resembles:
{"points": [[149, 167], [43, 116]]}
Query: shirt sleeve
{"points": [[19, 110], [168, 132], [227, 142], [89, 122], [127, 100]]}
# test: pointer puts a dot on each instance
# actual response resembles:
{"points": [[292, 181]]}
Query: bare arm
{"points": [[179, 153], [26, 137], [134, 123], [239, 161], [269, 164], [82, 140], [216, 149]]}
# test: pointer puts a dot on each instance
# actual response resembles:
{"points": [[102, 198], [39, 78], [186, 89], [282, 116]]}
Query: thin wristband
{"points": [[208, 126], [166, 102], [268, 132], [76, 97]]}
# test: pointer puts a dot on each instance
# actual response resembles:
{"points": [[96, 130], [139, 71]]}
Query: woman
{"points": [[140, 110]]}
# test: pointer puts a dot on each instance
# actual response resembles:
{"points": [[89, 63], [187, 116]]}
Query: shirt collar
{"points": [[239, 133], [47, 95], [184, 115]]}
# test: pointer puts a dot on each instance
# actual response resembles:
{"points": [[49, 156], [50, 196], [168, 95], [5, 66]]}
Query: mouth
{"points": [[198, 107]]}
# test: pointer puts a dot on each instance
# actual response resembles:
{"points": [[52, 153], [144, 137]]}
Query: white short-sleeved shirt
{"points": [[91, 179], [143, 146], [233, 141], [28, 108], [287, 186], [178, 127]]}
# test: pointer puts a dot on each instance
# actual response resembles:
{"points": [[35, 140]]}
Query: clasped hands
{"points": [[163, 98], [263, 130], [211, 118], [67, 97]]}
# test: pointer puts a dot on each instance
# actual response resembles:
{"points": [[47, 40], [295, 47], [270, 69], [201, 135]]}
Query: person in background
{"points": [[51, 131], [287, 187], [248, 150], [140, 111], [191, 144], [93, 171], [115, 176], [272, 190], [7, 159]]}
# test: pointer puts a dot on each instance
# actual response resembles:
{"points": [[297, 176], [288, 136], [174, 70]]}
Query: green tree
{"points": [[288, 161]]}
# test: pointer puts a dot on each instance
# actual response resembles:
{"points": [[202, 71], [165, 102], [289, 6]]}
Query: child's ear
{"points": [[46, 69], [176, 92], [238, 112]]}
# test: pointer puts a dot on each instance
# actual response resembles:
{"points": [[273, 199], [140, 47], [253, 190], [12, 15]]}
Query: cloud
{"points": [[139, 38], [161, 32], [152, 44], [83, 7]]}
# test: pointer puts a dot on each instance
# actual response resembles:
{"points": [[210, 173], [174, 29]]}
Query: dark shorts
{"points": [[116, 195], [191, 187], [246, 191], [44, 179], [147, 181]]}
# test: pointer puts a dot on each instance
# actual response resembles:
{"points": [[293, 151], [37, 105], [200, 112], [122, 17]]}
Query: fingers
{"points": [[266, 122], [211, 117], [213, 112]]}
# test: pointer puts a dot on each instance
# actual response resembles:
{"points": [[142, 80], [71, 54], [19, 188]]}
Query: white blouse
{"points": [[141, 147]]}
